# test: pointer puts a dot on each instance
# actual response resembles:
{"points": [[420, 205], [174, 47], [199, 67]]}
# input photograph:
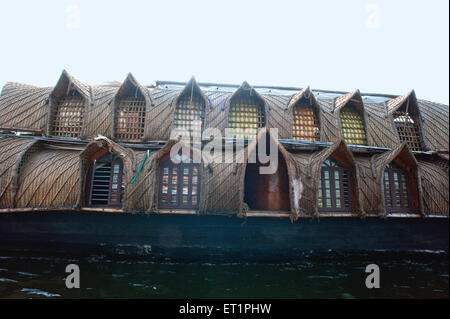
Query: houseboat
{"points": [[89, 168]]}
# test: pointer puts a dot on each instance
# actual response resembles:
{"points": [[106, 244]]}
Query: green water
{"points": [[325, 275]]}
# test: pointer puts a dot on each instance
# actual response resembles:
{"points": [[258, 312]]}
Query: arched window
{"points": [[306, 125], [267, 191], [407, 128], [189, 115], [334, 188], [130, 117], [396, 189], [245, 117], [68, 115], [107, 181], [353, 125], [179, 184]]}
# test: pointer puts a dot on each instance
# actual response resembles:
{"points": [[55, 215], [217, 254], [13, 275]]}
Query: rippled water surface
{"points": [[324, 275]]}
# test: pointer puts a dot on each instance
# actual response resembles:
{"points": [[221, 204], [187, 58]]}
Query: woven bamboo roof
{"points": [[49, 179], [26, 108], [37, 174], [12, 151], [49, 173]]}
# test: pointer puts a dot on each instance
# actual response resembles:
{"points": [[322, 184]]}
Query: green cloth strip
{"points": [[140, 167]]}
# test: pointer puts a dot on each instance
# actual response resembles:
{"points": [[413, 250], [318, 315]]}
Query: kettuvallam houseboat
{"points": [[89, 167]]}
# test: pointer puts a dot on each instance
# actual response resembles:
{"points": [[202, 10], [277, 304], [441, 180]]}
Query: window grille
{"points": [[189, 115], [107, 184], [68, 115], [334, 188], [353, 127], [130, 119], [396, 189], [179, 184], [306, 125], [245, 117], [407, 129]]}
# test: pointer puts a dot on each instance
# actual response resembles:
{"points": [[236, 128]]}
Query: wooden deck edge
{"points": [[250, 214]]}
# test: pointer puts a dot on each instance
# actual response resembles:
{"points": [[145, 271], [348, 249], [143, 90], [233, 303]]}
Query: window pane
{"points": [[107, 181], [189, 115], [68, 115], [397, 193], [130, 118], [182, 191], [334, 184], [353, 127], [305, 123], [408, 130], [245, 117]]}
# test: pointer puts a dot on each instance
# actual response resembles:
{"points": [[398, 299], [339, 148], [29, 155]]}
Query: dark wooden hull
{"points": [[192, 236]]}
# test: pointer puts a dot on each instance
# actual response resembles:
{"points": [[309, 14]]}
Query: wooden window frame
{"points": [[135, 129], [189, 105], [390, 194], [59, 124], [120, 183], [243, 104], [298, 128], [351, 140], [408, 132], [332, 169], [167, 163]]}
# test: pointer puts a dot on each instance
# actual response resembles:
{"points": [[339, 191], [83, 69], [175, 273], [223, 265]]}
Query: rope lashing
{"points": [[140, 167]]}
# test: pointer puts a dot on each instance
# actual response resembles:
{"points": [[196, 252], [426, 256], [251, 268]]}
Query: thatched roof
{"points": [[49, 173], [98, 118], [41, 174], [26, 108], [66, 82], [49, 179], [11, 154], [394, 104], [381, 130], [435, 188], [163, 109], [343, 100], [435, 119], [192, 87]]}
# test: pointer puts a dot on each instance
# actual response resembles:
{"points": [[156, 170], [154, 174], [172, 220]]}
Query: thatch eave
{"points": [[304, 93], [394, 104], [65, 82], [130, 81], [246, 88], [343, 100], [191, 87]]}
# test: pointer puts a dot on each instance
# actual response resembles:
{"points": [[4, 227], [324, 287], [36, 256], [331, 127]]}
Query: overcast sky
{"points": [[376, 46]]}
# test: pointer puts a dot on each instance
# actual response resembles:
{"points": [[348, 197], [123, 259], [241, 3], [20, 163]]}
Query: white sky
{"points": [[376, 46]]}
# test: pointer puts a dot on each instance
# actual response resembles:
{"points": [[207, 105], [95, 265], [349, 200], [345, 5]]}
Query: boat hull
{"points": [[214, 237]]}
